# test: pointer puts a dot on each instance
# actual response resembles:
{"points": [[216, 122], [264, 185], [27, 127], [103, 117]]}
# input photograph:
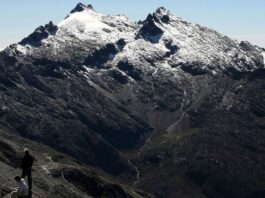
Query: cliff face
{"points": [[159, 103]]}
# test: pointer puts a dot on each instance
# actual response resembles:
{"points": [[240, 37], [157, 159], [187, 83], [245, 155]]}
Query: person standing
{"points": [[26, 166], [21, 190]]}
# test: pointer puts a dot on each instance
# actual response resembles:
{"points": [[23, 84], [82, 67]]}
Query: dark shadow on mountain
{"points": [[101, 56], [130, 70], [150, 30]]}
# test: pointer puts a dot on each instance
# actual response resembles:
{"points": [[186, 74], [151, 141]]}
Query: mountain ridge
{"points": [[221, 52]]}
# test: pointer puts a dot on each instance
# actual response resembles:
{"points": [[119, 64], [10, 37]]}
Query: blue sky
{"points": [[239, 19]]}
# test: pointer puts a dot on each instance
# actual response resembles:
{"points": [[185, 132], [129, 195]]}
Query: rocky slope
{"points": [[56, 174], [172, 107]]}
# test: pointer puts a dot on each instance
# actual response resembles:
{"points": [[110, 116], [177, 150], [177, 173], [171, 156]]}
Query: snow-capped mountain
{"points": [[161, 36], [158, 103]]}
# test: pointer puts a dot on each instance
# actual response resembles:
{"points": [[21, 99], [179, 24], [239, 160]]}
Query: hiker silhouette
{"points": [[26, 166]]}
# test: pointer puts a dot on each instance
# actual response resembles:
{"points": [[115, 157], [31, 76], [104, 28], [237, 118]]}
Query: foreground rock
{"points": [[55, 174]]}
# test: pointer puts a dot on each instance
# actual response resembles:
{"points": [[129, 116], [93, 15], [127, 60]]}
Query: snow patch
{"points": [[214, 72], [88, 69], [121, 17], [263, 54], [22, 49], [82, 23], [166, 65]]}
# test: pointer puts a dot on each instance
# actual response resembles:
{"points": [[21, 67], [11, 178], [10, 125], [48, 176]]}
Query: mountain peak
{"points": [[81, 7], [150, 30], [163, 14], [162, 10]]}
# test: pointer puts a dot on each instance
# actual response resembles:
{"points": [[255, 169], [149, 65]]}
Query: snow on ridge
{"points": [[89, 25], [89, 20], [162, 11], [263, 54], [23, 49], [181, 42]]}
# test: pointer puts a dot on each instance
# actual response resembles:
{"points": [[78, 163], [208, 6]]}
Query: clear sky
{"points": [[239, 19]]}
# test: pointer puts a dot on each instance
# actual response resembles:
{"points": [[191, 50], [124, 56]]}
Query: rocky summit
{"points": [[166, 106]]}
